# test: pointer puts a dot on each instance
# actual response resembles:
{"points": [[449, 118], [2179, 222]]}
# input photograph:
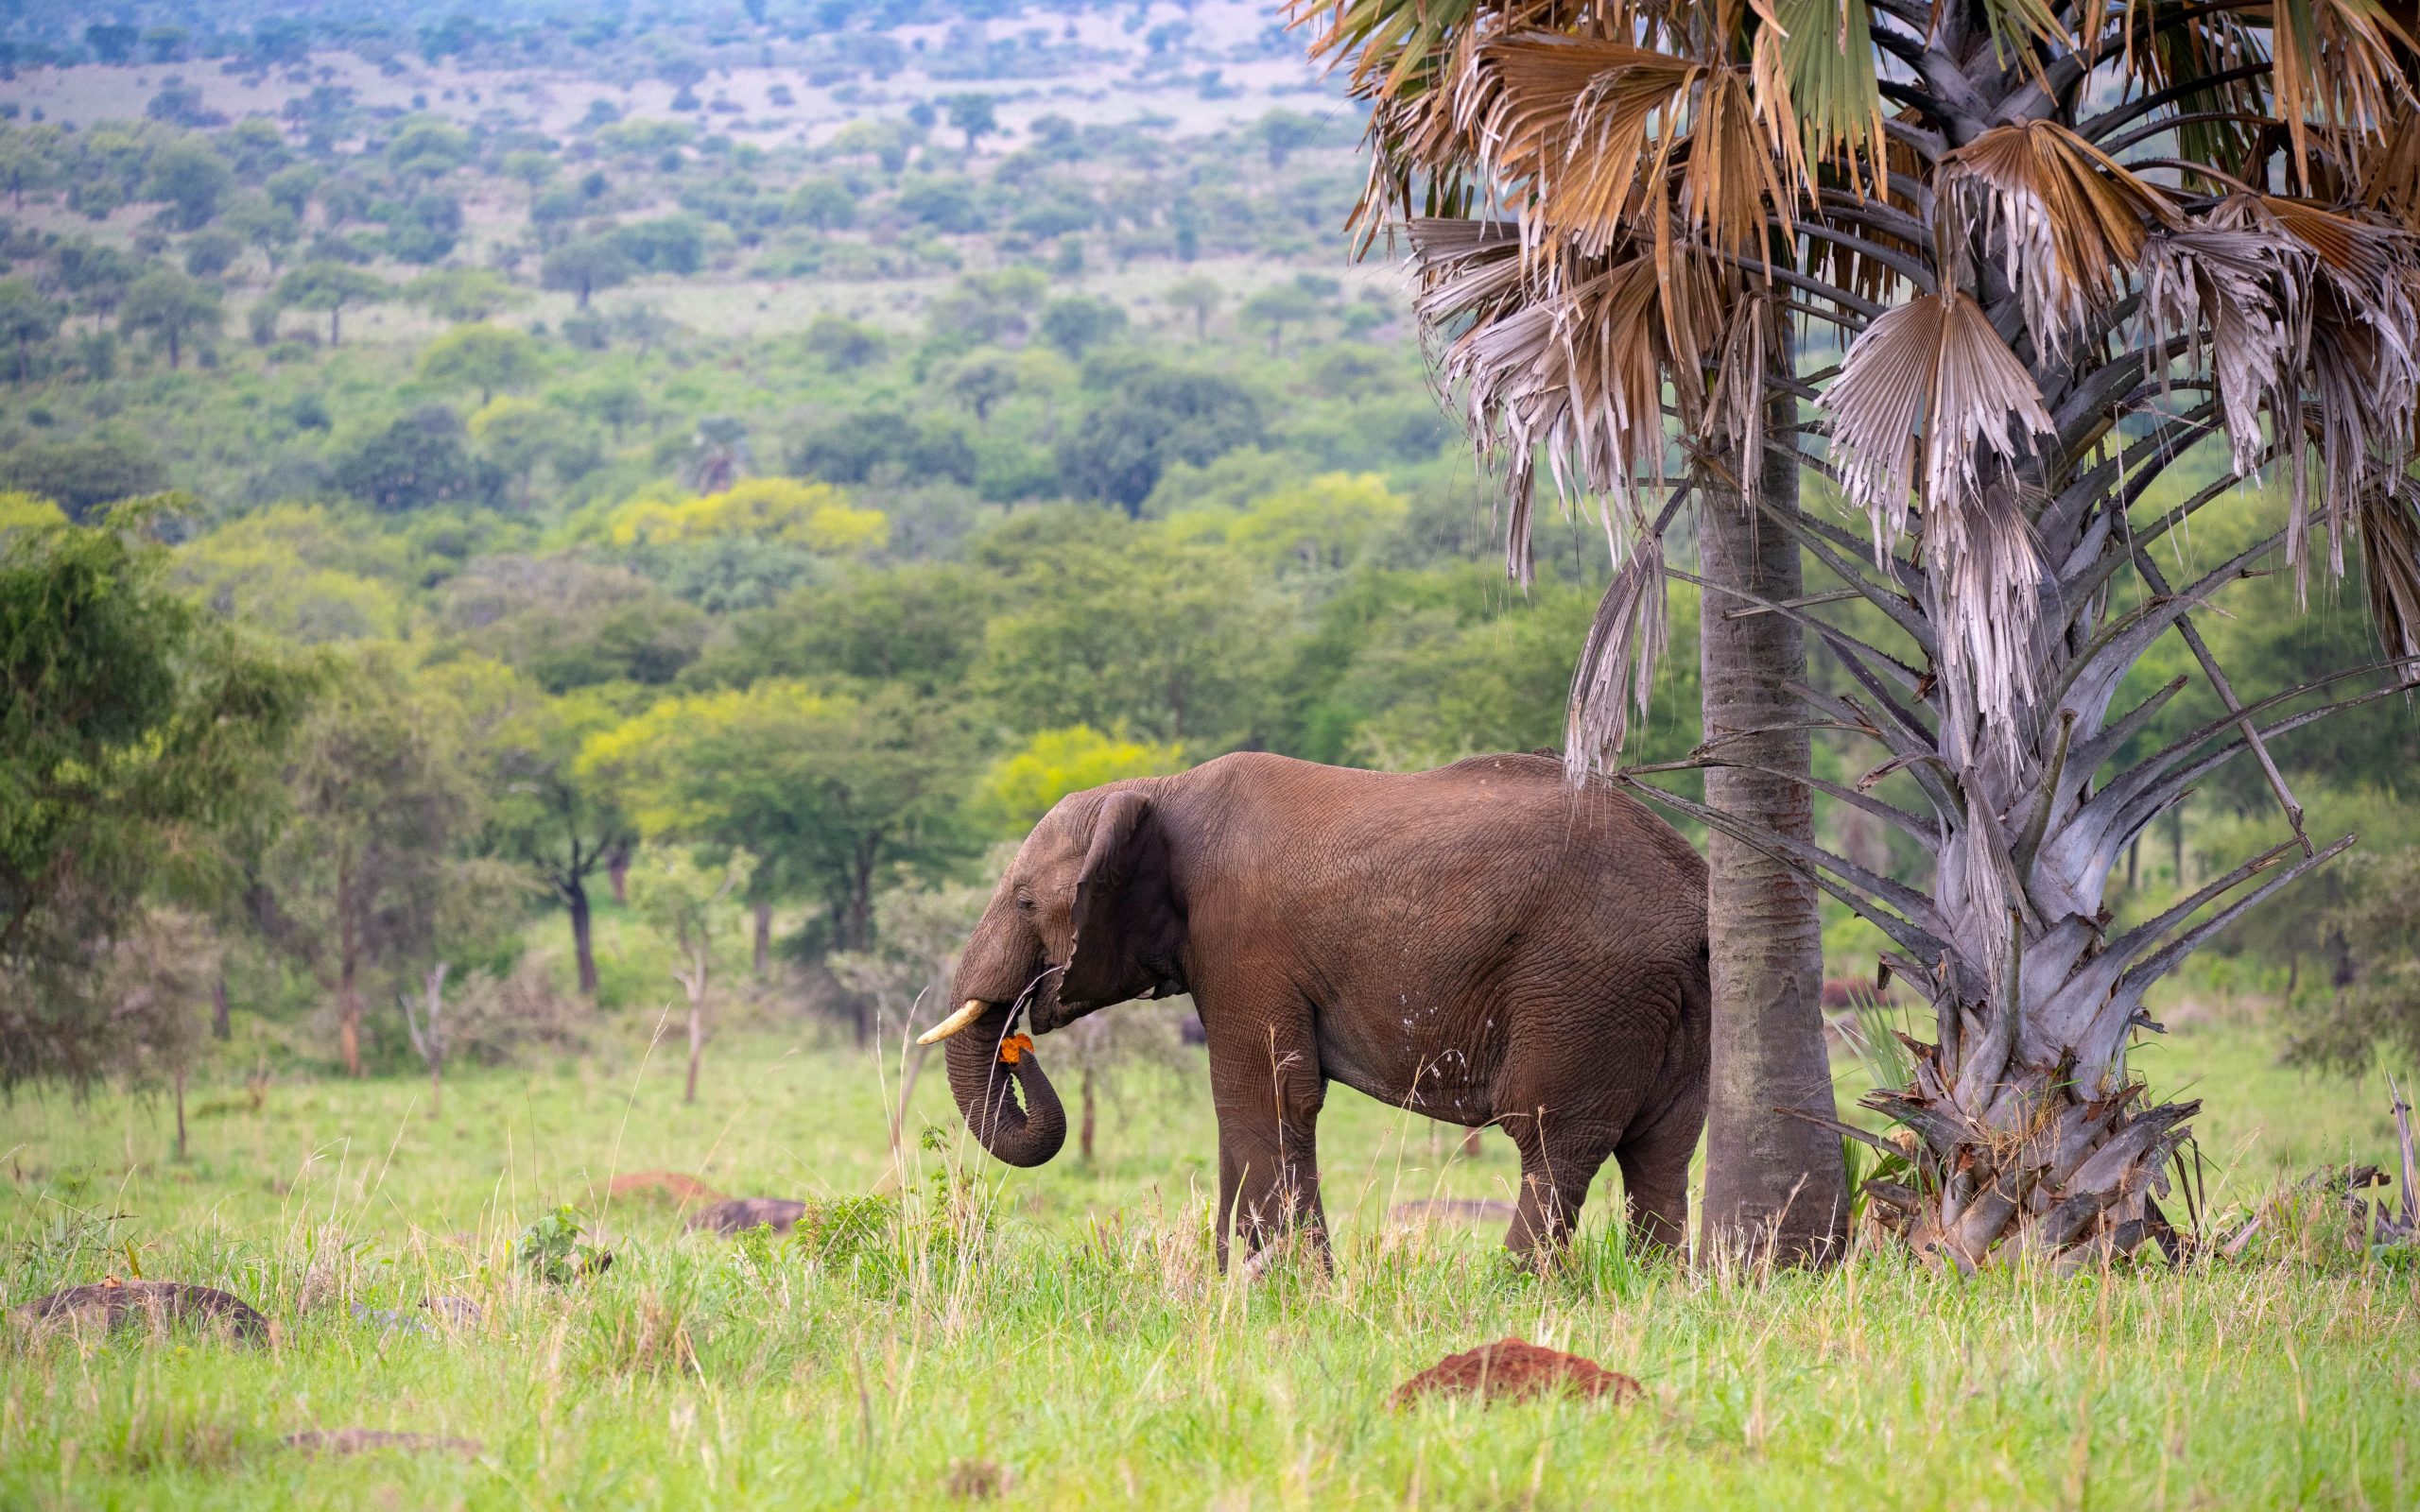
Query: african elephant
{"points": [[1485, 943]]}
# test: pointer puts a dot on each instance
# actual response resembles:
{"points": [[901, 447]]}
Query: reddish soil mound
{"points": [[114, 1303], [364, 1440], [740, 1214], [671, 1184], [1515, 1369]]}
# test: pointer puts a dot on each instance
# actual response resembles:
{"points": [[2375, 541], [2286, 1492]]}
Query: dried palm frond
{"points": [[2389, 174], [2233, 296], [1574, 369], [1616, 670], [1594, 129], [2389, 520], [1930, 400], [2335, 61], [2063, 219], [2362, 307]]}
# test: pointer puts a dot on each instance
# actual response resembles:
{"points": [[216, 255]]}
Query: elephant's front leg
{"points": [[1265, 1085]]}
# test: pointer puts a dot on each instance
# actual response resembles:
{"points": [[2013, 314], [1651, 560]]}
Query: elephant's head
{"points": [[1085, 917]]}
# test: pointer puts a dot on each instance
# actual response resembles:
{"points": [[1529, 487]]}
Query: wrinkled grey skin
{"points": [[1483, 943]]}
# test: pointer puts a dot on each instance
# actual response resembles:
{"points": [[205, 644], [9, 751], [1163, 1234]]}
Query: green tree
{"points": [[291, 189], [27, 163], [212, 252], [265, 224], [830, 791], [1199, 297], [974, 114], [1026, 783], [427, 148], [1176, 643], [26, 320], [583, 266], [192, 178], [919, 625], [171, 309], [104, 465], [569, 623], [520, 436], [1118, 449], [823, 205], [543, 812], [135, 726], [533, 170], [486, 357], [1275, 308], [372, 874], [614, 402], [980, 380], [331, 286], [1075, 326], [684, 901]]}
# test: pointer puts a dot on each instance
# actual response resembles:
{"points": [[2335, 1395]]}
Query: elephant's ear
{"points": [[1125, 915]]}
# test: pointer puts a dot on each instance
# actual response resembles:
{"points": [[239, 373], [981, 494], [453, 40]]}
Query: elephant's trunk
{"points": [[980, 1079]]}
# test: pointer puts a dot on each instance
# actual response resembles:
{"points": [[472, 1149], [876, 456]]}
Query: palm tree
{"points": [[2067, 246]]}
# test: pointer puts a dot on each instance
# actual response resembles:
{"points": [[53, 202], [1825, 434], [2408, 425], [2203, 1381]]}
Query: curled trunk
{"points": [[987, 1091]]}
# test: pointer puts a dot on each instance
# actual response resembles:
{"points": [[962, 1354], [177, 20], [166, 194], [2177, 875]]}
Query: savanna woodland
{"points": [[548, 551]]}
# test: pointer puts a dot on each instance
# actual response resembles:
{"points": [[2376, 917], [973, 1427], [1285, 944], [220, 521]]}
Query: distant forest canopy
{"points": [[609, 39]]}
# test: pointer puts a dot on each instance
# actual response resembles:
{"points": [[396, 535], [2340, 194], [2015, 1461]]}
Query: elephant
{"points": [[1484, 943]]}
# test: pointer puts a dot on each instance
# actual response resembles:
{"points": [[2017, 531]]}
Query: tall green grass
{"points": [[1064, 1333]]}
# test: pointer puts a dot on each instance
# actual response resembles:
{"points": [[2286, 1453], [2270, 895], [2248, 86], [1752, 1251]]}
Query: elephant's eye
{"points": [[1025, 905]]}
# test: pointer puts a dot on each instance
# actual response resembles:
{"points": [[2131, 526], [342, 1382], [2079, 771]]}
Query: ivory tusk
{"points": [[956, 1021]]}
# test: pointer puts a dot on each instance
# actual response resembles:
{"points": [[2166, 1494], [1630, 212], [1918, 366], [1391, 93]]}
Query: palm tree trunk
{"points": [[763, 945], [1771, 1178]]}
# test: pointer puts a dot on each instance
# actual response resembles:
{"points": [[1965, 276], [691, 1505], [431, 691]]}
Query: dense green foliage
{"points": [[135, 731]]}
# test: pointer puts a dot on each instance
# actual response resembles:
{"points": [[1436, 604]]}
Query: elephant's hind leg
{"points": [[1654, 1158], [1557, 1162]]}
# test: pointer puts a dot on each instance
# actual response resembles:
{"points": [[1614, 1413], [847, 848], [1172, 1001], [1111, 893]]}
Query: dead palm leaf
{"points": [[2062, 219], [1931, 403], [1574, 369]]}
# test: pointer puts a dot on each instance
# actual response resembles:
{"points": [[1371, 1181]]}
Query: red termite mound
{"points": [[1517, 1370]]}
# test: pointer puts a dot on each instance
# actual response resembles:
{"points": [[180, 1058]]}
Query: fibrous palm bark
{"points": [[2067, 245], [1774, 1179]]}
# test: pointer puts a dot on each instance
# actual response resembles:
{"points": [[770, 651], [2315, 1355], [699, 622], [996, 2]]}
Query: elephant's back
{"points": [[1493, 840]]}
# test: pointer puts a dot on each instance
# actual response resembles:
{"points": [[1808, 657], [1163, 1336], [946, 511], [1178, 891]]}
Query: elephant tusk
{"points": [[956, 1021]]}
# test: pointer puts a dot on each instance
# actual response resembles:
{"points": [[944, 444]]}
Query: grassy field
{"points": [[1061, 1337]]}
